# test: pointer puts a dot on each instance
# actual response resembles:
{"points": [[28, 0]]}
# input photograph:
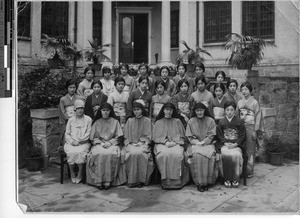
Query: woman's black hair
{"points": [[107, 106], [181, 82], [164, 67], [181, 64], [141, 78], [160, 82], [97, 82], [139, 105], [200, 105], [220, 72], [71, 82], [89, 68], [229, 103], [124, 65], [144, 65], [161, 113], [106, 69], [202, 78], [248, 85], [232, 81], [200, 65], [220, 85], [119, 79]]}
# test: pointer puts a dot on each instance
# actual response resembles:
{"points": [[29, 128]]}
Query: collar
{"points": [[229, 119]]}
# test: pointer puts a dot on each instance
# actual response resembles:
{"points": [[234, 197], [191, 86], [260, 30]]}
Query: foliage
{"points": [[96, 52], [42, 88], [191, 56], [246, 51], [274, 143]]}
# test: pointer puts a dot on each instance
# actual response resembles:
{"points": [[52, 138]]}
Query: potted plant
{"points": [[96, 54], [246, 51], [34, 158], [275, 148], [190, 56]]}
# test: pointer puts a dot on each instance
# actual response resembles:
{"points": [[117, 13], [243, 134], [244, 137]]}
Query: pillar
{"points": [[85, 24], [107, 26], [236, 14], [36, 28], [183, 24], [166, 32]]}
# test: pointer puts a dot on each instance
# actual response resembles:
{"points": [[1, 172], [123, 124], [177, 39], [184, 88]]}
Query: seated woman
{"points": [[138, 157], [231, 134], [77, 135], [169, 139], [203, 159], [103, 161]]}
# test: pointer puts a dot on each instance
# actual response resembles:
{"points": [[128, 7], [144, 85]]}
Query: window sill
{"points": [[174, 48], [214, 44], [24, 38]]}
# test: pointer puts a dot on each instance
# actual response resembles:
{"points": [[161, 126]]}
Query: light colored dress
{"points": [[138, 157], [204, 162], [84, 88], [103, 164], [129, 84], [77, 129], [170, 160], [108, 86]]}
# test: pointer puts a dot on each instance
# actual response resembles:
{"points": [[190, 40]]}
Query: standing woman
{"points": [[144, 71], [218, 102], [249, 111], [84, 88], [169, 139], [181, 69], [77, 140], [220, 77], [107, 82], [129, 81], [95, 100], [232, 93], [170, 84], [138, 157], [103, 161], [203, 160]]}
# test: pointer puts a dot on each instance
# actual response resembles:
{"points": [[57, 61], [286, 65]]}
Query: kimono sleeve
{"points": [[62, 109], [211, 132]]}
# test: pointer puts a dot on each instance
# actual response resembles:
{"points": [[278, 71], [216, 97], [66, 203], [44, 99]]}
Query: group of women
{"points": [[122, 129]]}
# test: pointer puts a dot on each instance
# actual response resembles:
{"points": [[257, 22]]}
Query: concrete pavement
{"points": [[272, 190]]}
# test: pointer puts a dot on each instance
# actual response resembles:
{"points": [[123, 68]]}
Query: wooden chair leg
{"points": [[61, 169], [245, 169]]}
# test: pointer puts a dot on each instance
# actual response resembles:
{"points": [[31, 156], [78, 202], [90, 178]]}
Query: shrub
{"points": [[274, 144]]}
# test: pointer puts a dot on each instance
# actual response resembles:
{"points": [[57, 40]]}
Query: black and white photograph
{"points": [[154, 107]]}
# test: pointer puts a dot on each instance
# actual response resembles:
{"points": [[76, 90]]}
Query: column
{"points": [[107, 26], [36, 28], [236, 14], [183, 24], [85, 24], [165, 32]]}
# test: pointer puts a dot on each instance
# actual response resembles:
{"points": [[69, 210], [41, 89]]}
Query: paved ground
{"points": [[272, 190]]}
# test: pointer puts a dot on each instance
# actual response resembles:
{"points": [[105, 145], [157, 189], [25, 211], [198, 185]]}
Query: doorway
{"points": [[133, 38]]}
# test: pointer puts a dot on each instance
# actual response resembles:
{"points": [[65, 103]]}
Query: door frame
{"points": [[134, 10]]}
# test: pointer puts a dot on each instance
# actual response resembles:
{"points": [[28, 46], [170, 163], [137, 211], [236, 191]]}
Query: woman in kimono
{"points": [[169, 139], [95, 100], [84, 88], [77, 140], [107, 83], [103, 161], [118, 100], [170, 84], [143, 70], [232, 93], [220, 77], [231, 136], [249, 111], [203, 160], [138, 157], [218, 103], [181, 69], [129, 81]]}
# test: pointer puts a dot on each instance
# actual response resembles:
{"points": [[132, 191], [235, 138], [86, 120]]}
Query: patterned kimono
{"points": [[204, 97], [232, 131], [249, 112], [183, 103], [218, 111], [204, 162], [84, 88], [91, 102], [129, 84], [150, 87], [157, 103], [236, 97], [137, 96], [171, 86], [77, 130], [177, 78], [103, 164], [170, 160], [138, 157], [118, 101]]}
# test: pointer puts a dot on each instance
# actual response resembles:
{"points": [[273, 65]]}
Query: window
{"points": [[217, 21], [97, 21], [174, 28], [258, 19], [55, 18], [24, 19]]}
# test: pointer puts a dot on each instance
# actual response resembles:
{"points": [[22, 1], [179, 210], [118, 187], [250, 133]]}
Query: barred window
{"points": [[55, 18], [97, 21], [174, 28], [258, 19], [24, 19], [217, 21]]}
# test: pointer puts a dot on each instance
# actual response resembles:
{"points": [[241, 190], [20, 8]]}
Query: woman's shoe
{"points": [[235, 184], [249, 175], [106, 187], [201, 188], [227, 184], [100, 187], [73, 180], [140, 185], [206, 188]]}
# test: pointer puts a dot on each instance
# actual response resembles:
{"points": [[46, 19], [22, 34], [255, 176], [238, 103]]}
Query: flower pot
{"points": [[56, 63], [34, 164], [97, 67], [276, 158]]}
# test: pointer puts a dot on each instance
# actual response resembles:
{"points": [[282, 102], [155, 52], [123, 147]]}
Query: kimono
{"points": [[108, 86], [66, 111], [138, 157], [171, 86], [203, 161], [84, 88], [236, 97], [204, 97], [91, 102], [137, 96], [118, 101], [103, 164], [212, 88], [177, 78], [77, 130], [218, 111], [183, 105], [157, 103], [231, 131], [170, 160], [129, 84], [249, 112], [150, 87]]}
